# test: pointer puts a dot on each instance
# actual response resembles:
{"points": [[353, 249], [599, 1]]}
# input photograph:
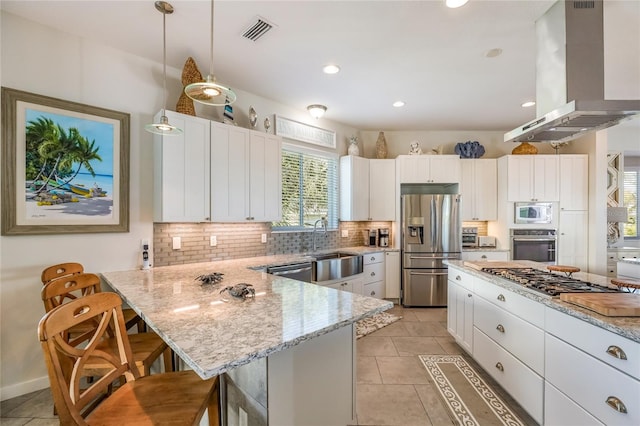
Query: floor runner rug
{"points": [[470, 399], [373, 323]]}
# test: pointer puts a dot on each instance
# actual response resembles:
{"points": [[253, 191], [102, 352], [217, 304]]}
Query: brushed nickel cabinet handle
{"points": [[373, 293], [499, 366], [500, 328], [458, 277], [501, 298], [616, 352], [469, 295], [616, 404], [484, 256], [373, 274]]}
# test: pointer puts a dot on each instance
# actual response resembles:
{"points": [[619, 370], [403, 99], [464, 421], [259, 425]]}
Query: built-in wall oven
{"points": [[538, 245]]}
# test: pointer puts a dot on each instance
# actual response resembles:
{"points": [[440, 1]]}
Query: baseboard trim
{"points": [[22, 388]]}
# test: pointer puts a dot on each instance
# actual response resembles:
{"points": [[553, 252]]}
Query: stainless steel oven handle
{"points": [[534, 239]]}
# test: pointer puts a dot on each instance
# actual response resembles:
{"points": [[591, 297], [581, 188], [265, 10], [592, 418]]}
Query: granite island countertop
{"points": [[628, 327], [213, 332]]}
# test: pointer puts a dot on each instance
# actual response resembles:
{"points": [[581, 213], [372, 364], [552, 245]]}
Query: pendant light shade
{"points": [[163, 127], [209, 92]]}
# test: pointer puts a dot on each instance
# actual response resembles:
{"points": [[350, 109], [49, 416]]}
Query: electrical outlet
{"points": [[345, 233], [243, 419], [177, 243], [213, 241], [263, 238]]}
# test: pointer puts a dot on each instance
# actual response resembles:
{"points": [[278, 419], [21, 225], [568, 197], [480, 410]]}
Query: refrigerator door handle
{"points": [[429, 257], [427, 273]]}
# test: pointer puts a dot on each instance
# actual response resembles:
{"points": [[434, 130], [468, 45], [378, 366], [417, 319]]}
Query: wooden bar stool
{"points": [[568, 270], [629, 285], [72, 268], [147, 347], [176, 398]]}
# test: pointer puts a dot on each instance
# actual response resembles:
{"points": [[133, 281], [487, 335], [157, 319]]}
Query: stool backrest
{"points": [[60, 270], [65, 361]]}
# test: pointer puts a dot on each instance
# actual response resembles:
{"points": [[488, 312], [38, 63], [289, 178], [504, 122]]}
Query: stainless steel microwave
{"points": [[535, 213]]}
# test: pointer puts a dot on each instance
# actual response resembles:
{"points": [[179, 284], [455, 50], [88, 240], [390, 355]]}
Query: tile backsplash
{"points": [[237, 240]]}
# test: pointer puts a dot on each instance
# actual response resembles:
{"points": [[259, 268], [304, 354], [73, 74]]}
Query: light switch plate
{"points": [[177, 243], [263, 238], [345, 233], [213, 241]]}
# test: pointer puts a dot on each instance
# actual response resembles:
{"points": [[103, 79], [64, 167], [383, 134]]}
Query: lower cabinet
{"points": [[460, 309], [560, 410], [352, 285], [485, 255], [392, 275], [373, 275]]}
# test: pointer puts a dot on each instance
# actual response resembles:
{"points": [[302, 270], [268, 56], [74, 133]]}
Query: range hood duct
{"points": [[570, 76]]}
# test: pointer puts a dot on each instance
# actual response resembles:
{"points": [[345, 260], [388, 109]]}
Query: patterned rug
{"points": [[481, 406], [373, 323]]}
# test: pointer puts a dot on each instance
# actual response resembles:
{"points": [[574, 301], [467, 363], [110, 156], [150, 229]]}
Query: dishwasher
{"points": [[296, 271]]}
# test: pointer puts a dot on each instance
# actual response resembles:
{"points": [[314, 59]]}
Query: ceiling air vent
{"points": [[257, 29], [584, 4]]}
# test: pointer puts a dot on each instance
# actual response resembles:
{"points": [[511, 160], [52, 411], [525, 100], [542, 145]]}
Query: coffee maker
{"points": [[383, 237]]}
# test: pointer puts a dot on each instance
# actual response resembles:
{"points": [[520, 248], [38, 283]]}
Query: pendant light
{"points": [[209, 92], [163, 127]]}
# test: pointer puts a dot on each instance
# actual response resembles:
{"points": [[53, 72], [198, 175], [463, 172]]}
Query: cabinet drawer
{"points": [[595, 341], [372, 258], [560, 410], [522, 383], [462, 278], [526, 309], [517, 336], [485, 255], [373, 272], [598, 383], [375, 289]]}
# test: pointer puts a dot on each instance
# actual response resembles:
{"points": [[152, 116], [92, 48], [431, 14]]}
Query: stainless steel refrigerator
{"points": [[430, 234]]}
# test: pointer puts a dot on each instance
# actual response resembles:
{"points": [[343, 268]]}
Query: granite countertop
{"points": [[628, 327], [631, 260], [213, 332]]}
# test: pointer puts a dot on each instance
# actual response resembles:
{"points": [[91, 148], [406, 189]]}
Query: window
{"points": [[309, 188], [631, 190]]}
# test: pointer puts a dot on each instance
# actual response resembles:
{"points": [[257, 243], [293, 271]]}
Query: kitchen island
{"points": [[288, 353], [629, 268], [563, 363]]}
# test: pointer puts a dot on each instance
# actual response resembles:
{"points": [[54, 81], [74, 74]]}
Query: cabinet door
{"points": [[520, 178], [464, 318], [545, 178], [354, 188], [265, 184], [392, 275], [229, 173], [452, 308], [413, 168], [574, 182], [479, 189], [181, 171], [382, 190], [573, 238], [444, 168]]}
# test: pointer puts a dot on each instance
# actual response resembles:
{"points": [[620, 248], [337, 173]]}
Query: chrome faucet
{"points": [[325, 223]]}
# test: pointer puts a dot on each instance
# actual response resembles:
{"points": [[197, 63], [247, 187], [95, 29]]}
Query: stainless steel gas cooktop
{"points": [[547, 282]]}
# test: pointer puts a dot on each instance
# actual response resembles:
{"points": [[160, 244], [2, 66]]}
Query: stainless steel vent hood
{"points": [[570, 75]]}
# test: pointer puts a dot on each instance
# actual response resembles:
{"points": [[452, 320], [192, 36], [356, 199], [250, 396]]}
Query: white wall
{"points": [[40, 60]]}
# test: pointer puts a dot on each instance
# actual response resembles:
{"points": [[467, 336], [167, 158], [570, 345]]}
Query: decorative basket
{"points": [[525, 148], [190, 74]]}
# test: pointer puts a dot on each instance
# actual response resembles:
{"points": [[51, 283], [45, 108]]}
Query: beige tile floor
{"points": [[393, 388]]}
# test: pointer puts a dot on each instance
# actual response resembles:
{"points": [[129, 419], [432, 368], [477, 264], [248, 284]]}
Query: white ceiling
{"points": [[421, 52]]}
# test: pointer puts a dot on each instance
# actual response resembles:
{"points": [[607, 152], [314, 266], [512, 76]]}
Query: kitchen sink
{"points": [[333, 266]]}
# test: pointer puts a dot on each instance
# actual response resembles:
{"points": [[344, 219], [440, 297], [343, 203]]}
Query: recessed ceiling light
{"points": [[398, 104], [455, 3], [331, 69], [492, 53], [528, 104]]}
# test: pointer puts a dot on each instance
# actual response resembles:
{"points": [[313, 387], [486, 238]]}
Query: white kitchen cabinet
{"points": [[574, 182], [616, 254], [392, 275], [352, 285], [373, 275], [367, 189], [560, 410], [479, 189], [460, 308], [428, 168], [532, 177], [181, 171], [573, 233], [245, 175], [485, 255]]}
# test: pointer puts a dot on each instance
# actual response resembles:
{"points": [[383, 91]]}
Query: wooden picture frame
{"points": [[65, 166]]}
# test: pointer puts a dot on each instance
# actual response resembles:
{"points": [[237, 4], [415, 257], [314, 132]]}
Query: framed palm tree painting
{"points": [[65, 166]]}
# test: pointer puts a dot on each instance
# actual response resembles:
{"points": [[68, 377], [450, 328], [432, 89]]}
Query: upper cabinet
{"points": [[216, 172], [574, 182], [428, 168], [532, 177], [181, 171], [367, 189], [479, 189]]}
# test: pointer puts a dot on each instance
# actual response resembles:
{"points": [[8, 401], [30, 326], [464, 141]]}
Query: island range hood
{"points": [[570, 75]]}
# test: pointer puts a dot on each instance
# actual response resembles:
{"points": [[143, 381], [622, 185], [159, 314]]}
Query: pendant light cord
{"points": [[164, 62], [211, 52]]}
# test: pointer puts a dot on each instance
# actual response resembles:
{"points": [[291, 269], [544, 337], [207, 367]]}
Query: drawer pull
{"points": [[458, 277], [469, 295], [373, 258], [615, 351], [373, 274], [500, 328], [616, 404], [373, 293], [484, 256], [499, 366], [501, 297]]}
